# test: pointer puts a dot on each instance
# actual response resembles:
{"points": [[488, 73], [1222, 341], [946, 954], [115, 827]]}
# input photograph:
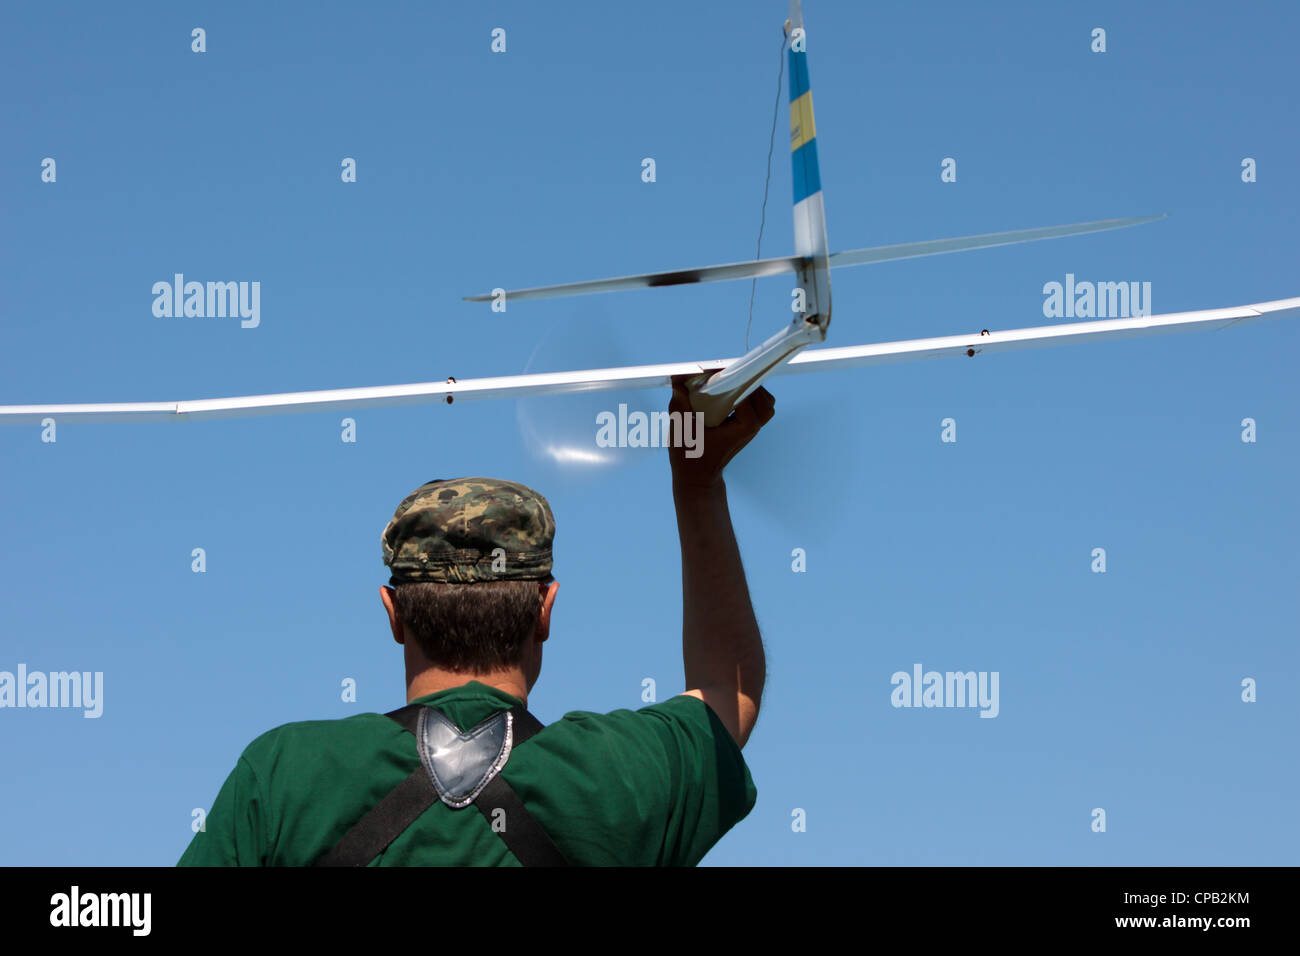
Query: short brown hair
{"points": [[481, 626]]}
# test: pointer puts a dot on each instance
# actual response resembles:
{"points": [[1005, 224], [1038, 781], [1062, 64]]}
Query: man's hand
{"points": [[718, 445]]}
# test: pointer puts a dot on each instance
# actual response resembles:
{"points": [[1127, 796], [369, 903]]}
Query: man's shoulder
{"points": [[665, 725], [353, 723], [681, 707], [311, 735], [672, 779]]}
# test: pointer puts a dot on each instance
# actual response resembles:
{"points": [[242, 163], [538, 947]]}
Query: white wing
{"points": [[855, 356], [646, 376]]}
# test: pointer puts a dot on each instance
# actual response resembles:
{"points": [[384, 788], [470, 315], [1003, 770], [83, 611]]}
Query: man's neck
{"points": [[435, 679]]}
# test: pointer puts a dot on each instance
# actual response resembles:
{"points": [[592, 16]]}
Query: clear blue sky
{"points": [[1119, 690]]}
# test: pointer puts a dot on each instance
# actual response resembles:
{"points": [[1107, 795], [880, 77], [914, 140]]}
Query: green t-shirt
{"points": [[657, 786]]}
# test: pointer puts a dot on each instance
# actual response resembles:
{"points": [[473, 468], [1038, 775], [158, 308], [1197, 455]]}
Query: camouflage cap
{"points": [[462, 530]]}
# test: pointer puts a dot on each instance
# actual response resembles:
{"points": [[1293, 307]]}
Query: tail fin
{"points": [[809, 210]]}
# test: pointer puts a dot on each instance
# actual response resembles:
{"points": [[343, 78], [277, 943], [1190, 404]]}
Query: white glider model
{"points": [[717, 385]]}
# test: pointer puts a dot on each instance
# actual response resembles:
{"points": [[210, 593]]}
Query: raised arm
{"points": [[721, 646]]}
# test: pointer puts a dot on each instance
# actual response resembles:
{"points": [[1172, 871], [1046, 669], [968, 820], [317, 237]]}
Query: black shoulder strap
{"points": [[405, 803]]}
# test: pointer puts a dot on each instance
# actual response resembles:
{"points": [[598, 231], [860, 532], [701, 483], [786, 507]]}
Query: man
{"points": [[464, 775]]}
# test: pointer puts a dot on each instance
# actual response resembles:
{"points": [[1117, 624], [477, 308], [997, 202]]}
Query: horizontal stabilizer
{"points": [[755, 268], [646, 376], [934, 247], [758, 268]]}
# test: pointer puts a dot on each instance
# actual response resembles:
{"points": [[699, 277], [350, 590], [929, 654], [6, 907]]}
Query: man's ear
{"points": [[544, 619], [386, 595]]}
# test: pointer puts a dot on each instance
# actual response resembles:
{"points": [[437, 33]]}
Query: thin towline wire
{"points": [[767, 181]]}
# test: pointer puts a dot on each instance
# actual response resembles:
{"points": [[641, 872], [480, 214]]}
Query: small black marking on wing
{"points": [[673, 278]]}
